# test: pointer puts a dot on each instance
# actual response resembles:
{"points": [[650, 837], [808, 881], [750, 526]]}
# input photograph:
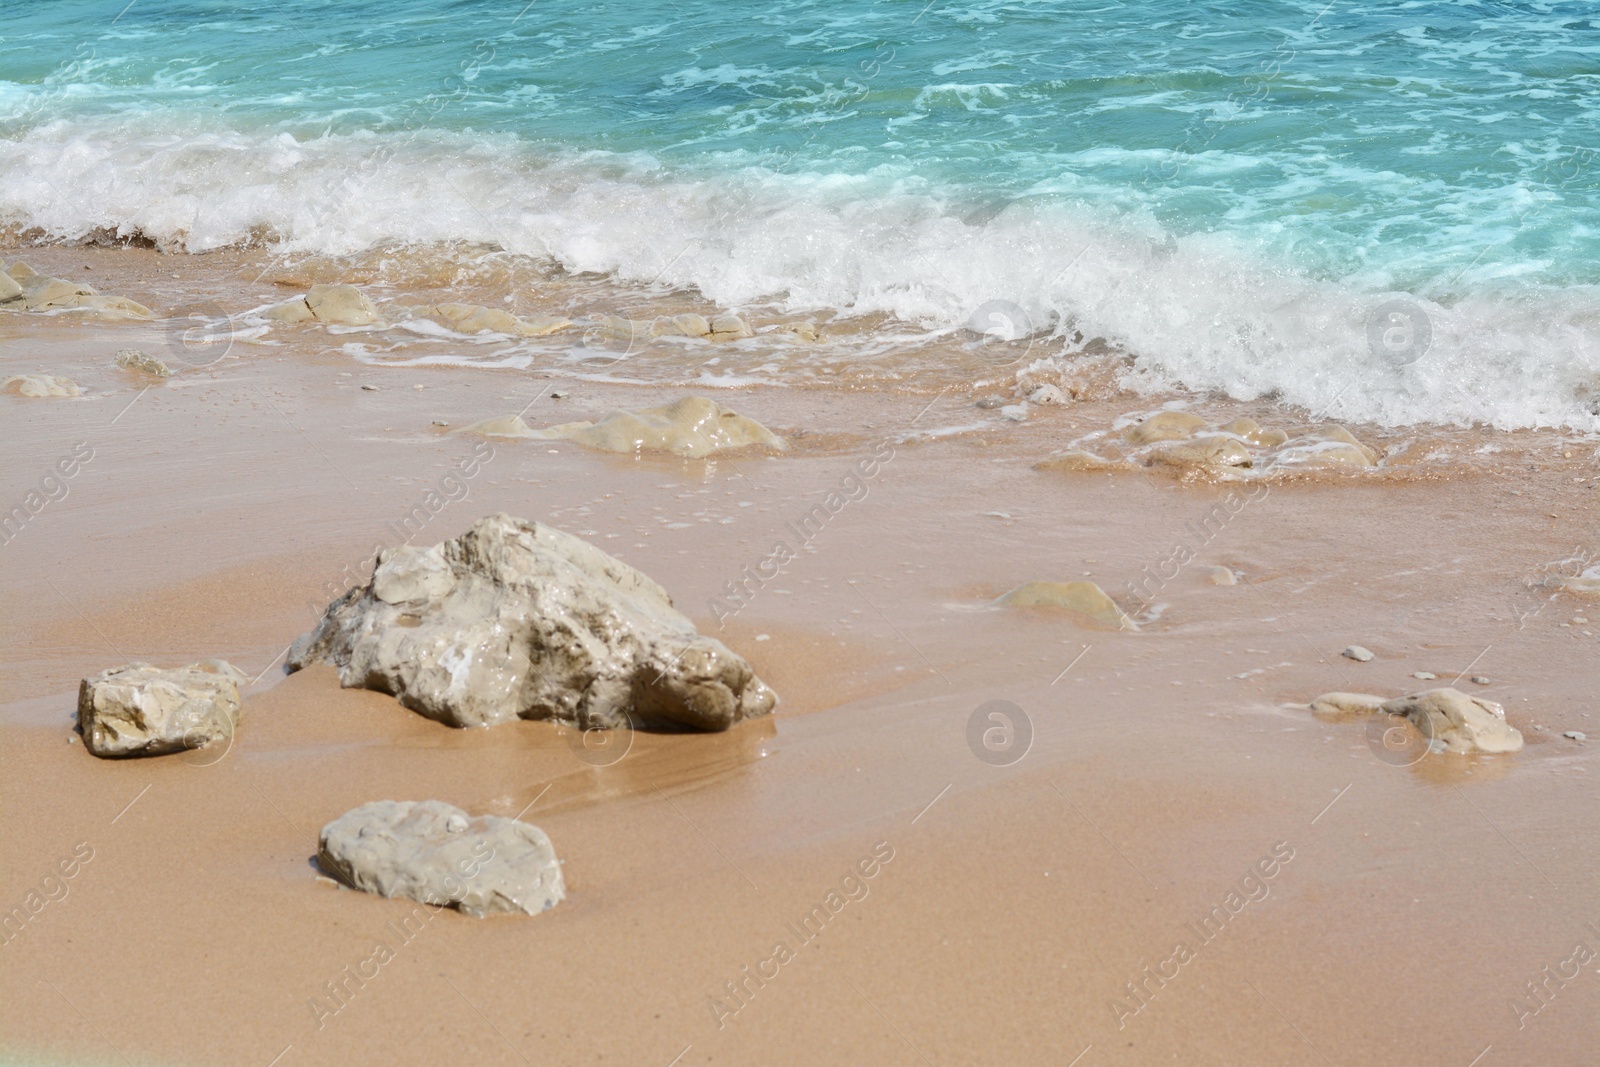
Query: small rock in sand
{"points": [[142, 363], [1047, 396], [1221, 576], [1480, 679], [140, 710], [1357, 653], [370, 388], [1425, 676], [1575, 735], [432, 852], [1459, 722], [1345, 705], [1081, 598], [515, 619], [1015, 412], [693, 427], [40, 385]]}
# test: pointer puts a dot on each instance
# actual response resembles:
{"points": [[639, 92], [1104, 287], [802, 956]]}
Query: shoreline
{"points": [[1023, 900]]}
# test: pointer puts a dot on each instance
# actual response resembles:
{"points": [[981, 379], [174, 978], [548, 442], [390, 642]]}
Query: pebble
{"points": [[1357, 653], [558, 394], [1579, 620], [1426, 676], [1480, 679], [440, 422], [991, 402], [370, 388], [416, 387], [1223, 576], [1576, 735]]}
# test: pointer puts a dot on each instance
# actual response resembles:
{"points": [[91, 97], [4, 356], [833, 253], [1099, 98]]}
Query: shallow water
{"points": [[1390, 211]]}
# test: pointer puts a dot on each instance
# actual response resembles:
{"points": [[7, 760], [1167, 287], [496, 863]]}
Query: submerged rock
{"points": [[1081, 598], [143, 363], [432, 852], [474, 318], [1460, 722], [40, 385], [692, 427], [140, 710], [514, 619]]}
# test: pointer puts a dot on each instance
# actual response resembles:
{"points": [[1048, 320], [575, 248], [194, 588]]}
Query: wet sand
{"points": [[1408, 909]]}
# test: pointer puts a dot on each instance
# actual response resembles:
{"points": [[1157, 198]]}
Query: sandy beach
{"points": [[1181, 865]]}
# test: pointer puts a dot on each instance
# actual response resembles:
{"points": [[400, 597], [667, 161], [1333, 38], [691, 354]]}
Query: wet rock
{"points": [[1081, 598], [344, 305], [1459, 722], [1345, 705], [693, 427], [730, 328], [40, 385], [1212, 450], [514, 619], [40, 292], [1047, 396], [290, 311], [1075, 459], [475, 318], [9, 289], [1015, 412], [142, 363], [140, 710], [1221, 576], [432, 852], [682, 326], [1357, 653], [1164, 426]]}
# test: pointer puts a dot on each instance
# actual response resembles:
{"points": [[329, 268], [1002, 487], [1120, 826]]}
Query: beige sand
{"points": [[1407, 908]]}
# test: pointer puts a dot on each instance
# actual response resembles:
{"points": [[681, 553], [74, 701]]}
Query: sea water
{"points": [[1383, 211]]}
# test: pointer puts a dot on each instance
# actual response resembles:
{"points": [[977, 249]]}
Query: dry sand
{"points": [[1408, 908]]}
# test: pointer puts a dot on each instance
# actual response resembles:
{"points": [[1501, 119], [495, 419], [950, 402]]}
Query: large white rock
{"points": [[140, 710], [1460, 722], [514, 619], [437, 854]]}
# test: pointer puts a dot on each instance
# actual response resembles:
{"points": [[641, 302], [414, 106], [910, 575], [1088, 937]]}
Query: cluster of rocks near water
{"points": [[511, 620], [24, 289], [1189, 445]]}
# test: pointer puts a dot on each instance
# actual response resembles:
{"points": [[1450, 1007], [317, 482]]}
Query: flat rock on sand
{"points": [[514, 619], [694, 427], [140, 710], [1460, 722], [1080, 598], [40, 385], [435, 853]]}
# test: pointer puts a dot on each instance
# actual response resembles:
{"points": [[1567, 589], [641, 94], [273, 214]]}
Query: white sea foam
{"points": [[1201, 311]]}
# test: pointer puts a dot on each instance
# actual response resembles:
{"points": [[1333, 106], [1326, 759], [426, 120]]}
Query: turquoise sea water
{"points": [[1239, 195]]}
